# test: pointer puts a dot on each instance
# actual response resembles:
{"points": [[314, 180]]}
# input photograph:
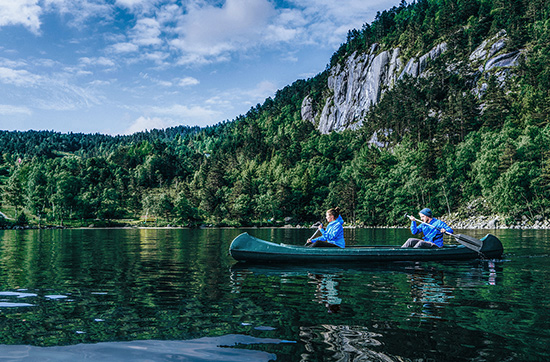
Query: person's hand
{"points": [[443, 231], [411, 218], [320, 226]]}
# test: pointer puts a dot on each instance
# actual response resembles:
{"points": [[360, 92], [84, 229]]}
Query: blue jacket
{"points": [[432, 234], [334, 233]]}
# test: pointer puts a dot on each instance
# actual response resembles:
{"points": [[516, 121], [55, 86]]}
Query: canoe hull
{"points": [[250, 249]]}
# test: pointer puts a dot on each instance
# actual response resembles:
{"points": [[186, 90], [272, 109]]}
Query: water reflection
{"points": [[326, 291], [207, 349], [420, 295], [92, 286], [429, 291], [342, 343]]}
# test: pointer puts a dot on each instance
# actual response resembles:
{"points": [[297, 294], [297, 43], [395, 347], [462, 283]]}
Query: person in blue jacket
{"points": [[333, 235], [433, 235]]}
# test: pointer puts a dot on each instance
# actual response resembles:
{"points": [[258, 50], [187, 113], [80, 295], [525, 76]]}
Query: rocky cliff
{"points": [[361, 80]]}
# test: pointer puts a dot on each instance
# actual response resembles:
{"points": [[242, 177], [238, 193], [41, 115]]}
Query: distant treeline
{"points": [[445, 148]]}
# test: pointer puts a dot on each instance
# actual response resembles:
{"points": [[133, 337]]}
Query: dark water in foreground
{"points": [[175, 295]]}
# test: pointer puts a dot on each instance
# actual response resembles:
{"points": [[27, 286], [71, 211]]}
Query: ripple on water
{"points": [[17, 294], [14, 305], [212, 349], [55, 296], [6, 301]]}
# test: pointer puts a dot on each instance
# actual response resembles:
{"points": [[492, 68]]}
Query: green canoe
{"points": [[248, 248]]}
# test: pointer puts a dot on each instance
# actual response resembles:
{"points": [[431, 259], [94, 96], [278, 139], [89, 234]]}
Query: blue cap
{"points": [[426, 212]]}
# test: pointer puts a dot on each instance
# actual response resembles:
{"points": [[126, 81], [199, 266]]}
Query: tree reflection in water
{"points": [[345, 343]]}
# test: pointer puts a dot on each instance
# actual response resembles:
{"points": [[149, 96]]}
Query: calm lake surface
{"points": [[176, 294]]}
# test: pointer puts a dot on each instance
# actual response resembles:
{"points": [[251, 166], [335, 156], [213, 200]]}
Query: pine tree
{"points": [[14, 193]]}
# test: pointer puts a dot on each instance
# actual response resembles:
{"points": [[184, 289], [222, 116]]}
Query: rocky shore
{"points": [[455, 221], [496, 222]]}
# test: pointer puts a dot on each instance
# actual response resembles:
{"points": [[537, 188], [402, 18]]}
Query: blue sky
{"points": [[122, 66]]}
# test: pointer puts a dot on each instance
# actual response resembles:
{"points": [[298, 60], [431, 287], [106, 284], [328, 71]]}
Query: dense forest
{"points": [[449, 149]]}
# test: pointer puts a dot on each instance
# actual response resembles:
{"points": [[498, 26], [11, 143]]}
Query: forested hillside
{"points": [[444, 147]]}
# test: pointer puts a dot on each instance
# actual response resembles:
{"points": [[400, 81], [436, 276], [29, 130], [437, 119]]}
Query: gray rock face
{"points": [[356, 86], [307, 109], [505, 60], [489, 47], [360, 82], [489, 58]]}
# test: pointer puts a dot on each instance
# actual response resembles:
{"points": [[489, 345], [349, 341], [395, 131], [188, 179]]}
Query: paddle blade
{"points": [[469, 242]]}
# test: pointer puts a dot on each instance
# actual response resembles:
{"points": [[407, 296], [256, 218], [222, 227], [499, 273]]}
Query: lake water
{"points": [[176, 294]]}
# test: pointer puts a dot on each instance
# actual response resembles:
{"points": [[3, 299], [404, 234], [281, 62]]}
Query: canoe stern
{"points": [[492, 247]]}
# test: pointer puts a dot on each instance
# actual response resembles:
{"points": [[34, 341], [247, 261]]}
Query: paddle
{"points": [[467, 241], [315, 233]]}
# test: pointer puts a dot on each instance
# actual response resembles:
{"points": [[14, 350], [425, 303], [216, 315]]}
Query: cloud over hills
{"points": [[92, 53]]}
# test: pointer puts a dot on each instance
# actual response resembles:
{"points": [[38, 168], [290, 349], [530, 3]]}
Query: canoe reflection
{"points": [[364, 303], [428, 290]]}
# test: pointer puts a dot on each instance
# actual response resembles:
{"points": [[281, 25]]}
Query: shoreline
{"points": [[457, 220], [473, 223]]}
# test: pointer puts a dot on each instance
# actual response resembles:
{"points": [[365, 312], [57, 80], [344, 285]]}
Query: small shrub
{"points": [[22, 220]]}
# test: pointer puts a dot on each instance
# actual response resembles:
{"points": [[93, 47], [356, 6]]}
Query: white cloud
{"points": [[165, 34], [48, 63], [161, 82], [263, 90], [136, 4], [185, 113], [18, 77], [208, 32], [124, 48], [188, 81], [97, 61], [79, 12], [257, 94], [12, 63], [219, 101], [100, 83], [157, 57], [8, 110], [328, 21], [164, 83], [148, 123], [146, 32], [171, 116], [21, 12], [200, 32], [289, 25], [277, 34], [47, 91], [130, 3], [58, 95]]}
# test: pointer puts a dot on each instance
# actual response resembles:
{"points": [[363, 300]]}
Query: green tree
{"points": [[184, 211], [66, 196], [14, 193], [37, 191]]}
